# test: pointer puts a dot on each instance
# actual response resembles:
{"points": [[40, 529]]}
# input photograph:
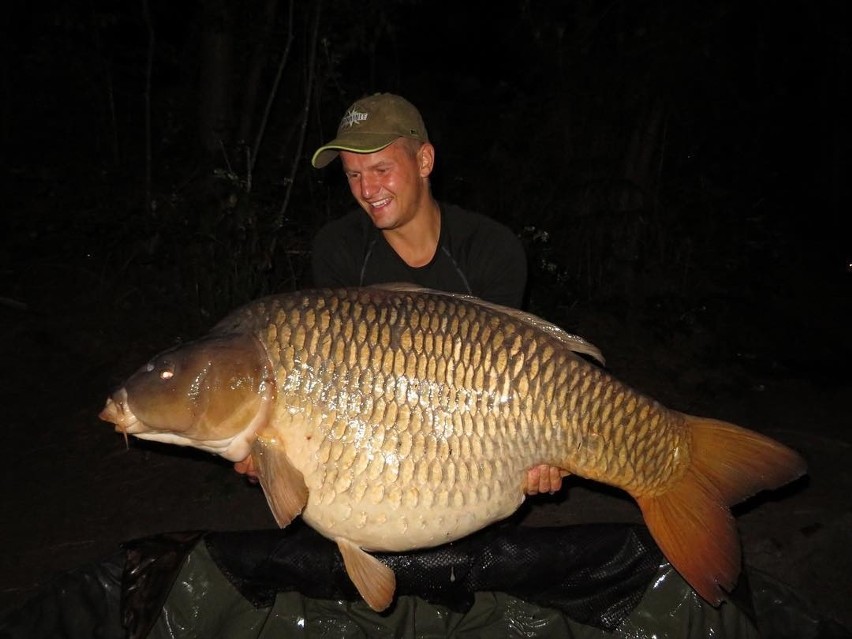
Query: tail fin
{"points": [[692, 522]]}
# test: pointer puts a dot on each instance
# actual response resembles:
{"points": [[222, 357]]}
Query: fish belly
{"points": [[390, 478], [403, 515]]}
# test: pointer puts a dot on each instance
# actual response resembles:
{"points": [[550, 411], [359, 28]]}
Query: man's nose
{"points": [[369, 186]]}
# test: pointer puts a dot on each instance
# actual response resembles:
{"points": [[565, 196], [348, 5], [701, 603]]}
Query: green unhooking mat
{"points": [[592, 581]]}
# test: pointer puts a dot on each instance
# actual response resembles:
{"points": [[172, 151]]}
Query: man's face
{"points": [[391, 184]]}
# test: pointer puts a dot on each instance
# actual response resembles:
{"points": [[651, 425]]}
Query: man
{"points": [[407, 235]]}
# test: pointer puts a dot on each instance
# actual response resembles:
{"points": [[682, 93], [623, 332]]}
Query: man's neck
{"points": [[417, 241]]}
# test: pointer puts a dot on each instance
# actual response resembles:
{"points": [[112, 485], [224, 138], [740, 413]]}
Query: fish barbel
{"points": [[393, 418]]}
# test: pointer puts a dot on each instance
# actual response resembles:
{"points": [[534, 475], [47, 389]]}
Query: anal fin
{"points": [[375, 581], [283, 485]]}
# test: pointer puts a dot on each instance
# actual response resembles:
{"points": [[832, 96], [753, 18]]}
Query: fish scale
{"points": [[394, 418], [514, 432]]}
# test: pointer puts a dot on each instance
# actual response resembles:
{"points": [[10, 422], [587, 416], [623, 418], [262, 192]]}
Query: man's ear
{"points": [[426, 159]]}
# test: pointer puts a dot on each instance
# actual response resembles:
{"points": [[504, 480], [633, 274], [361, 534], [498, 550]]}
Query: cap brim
{"points": [[361, 143]]}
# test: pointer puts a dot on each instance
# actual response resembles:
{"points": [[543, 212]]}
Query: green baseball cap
{"points": [[371, 124]]}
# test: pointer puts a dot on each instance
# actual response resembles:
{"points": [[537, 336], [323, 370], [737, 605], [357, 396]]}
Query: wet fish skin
{"points": [[213, 394], [394, 419]]}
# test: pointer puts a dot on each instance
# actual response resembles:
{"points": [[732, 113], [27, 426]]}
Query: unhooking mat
{"points": [[591, 581]]}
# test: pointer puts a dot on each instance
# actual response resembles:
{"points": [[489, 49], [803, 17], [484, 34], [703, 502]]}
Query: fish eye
{"points": [[165, 369]]}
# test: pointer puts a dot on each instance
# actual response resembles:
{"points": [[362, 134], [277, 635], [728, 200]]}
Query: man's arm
{"points": [[505, 274], [495, 261], [334, 253]]}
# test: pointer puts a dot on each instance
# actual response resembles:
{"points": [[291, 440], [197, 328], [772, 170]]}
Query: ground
{"points": [[74, 490]]}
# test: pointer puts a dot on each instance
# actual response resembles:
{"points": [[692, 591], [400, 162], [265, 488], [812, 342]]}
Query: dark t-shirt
{"points": [[475, 255]]}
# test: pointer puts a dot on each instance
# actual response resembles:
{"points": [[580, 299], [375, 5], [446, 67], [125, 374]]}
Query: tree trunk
{"points": [[215, 88], [251, 88]]}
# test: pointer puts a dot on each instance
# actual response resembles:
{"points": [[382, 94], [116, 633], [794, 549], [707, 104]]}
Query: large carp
{"points": [[394, 418]]}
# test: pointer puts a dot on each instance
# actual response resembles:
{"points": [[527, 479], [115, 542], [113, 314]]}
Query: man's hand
{"points": [[544, 479]]}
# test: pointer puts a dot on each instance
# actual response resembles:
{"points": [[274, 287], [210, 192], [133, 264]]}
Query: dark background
{"points": [[689, 159], [678, 172]]}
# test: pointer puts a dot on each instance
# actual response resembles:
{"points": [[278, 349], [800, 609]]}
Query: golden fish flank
{"points": [[406, 418]]}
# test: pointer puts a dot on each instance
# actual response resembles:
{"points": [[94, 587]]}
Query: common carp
{"points": [[393, 418]]}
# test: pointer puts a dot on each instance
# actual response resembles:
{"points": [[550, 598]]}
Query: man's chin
{"points": [[382, 220]]}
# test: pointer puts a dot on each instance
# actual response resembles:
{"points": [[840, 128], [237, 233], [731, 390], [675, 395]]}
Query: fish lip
{"points": [[117, 411], [130, 427]]}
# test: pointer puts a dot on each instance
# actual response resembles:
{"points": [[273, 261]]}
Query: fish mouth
{"points": [[117, 411]]}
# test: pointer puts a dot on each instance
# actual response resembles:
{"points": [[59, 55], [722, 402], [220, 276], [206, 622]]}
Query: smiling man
{"points": [[406, 234]]}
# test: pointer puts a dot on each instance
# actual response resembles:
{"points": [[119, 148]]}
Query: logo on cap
{"points": [[352, 117]]}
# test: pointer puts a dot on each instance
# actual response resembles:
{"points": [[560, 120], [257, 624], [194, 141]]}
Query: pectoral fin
{"points": [[283, 485], [375, 581]]}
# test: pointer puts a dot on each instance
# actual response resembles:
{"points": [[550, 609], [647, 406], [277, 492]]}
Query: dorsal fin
{"points": [[573, 342]]}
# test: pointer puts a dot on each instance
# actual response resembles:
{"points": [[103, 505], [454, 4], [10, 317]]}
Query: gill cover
{"points": [[205, 390]]}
